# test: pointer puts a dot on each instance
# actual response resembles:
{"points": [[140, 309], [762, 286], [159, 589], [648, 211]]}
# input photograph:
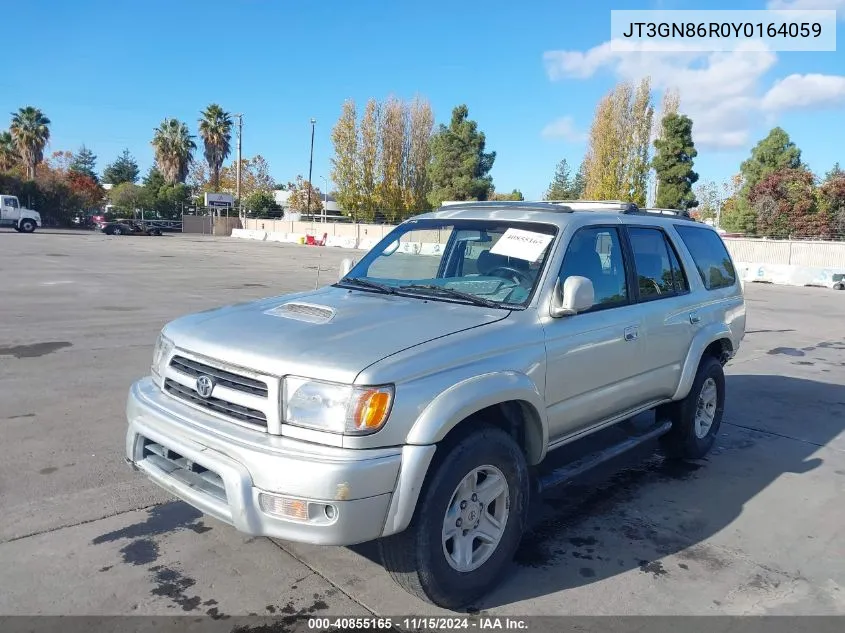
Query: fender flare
{"points": [[707, 335], [469, 396], [443, 414]]}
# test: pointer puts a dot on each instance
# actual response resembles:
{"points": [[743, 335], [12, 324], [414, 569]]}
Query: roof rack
{"points": [[502, 204], [569, 206]]}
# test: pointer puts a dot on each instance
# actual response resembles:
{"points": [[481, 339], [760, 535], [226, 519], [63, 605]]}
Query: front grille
{"points": [[183, 469], [221, 377], [229, 409]]}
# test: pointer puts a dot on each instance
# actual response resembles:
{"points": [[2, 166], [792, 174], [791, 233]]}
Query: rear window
{"points": [[710, 256]]}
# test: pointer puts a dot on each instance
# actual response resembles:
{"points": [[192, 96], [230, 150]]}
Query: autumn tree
{"points": [[255, 176], [58, 161], [603, 158], [368, 160], [835, 172], [707, 194], [123, 169], [638, 148], [345, 171], [417, 177], [391, 159], [832, 197], [786, 204], [673, 164], [298, 200], [460, 167], [85, 162]]}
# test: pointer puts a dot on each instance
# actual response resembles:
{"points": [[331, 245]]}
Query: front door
{"points": [[593, 357]]}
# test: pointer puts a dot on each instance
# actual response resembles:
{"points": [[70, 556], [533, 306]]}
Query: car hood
{"points": [[332, 333]]}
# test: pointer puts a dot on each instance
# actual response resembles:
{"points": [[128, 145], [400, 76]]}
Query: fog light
{"points": [[330, 512], [287, 507]]}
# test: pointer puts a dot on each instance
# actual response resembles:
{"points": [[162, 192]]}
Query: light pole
{"points": [[310, 165], [325, 196], [240, 129]]}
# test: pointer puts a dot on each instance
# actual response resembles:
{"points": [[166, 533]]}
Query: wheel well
{"points": [[517, 418], [721, 350]]}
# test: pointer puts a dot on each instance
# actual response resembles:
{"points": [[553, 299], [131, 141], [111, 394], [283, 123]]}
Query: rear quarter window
{"points": [[710, 256]]}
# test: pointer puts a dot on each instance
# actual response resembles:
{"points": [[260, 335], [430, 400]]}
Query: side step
{"points": [[564, 473]]}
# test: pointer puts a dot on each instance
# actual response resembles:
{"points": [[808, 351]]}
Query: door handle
{"points": [[631, 333], [694, 318]]}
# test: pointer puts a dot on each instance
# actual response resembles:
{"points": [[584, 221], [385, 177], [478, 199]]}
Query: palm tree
{"points": [[8, 156], [216, 132], [174, 146], [30, 133]]}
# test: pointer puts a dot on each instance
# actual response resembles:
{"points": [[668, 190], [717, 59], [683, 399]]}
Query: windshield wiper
{"points": [[451, 292], [366, 283]]}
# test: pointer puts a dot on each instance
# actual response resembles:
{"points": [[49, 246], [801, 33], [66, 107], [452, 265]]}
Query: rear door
{"points": [[668, 325], [593, 356]]}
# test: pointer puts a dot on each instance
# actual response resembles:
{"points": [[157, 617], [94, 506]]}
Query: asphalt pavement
{"points": [[756, 528]]}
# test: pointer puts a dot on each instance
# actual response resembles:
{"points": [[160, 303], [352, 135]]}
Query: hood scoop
{"points": [[309, 312]]}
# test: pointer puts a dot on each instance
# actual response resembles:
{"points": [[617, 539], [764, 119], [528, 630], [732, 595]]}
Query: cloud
{"points": [[808, 5], [723, 92], [564, 128], [805, 91], [718, 90]]}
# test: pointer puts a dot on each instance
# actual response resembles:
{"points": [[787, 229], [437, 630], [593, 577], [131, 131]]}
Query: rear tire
{"points": [[696, 419], [26, 226], [437, 558]]}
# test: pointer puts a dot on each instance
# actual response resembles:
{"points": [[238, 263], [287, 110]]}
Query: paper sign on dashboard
{"points": [[522, 244]]}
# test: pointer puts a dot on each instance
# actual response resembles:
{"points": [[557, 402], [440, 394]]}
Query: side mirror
{"points": [[576, 296], [345, 266]]}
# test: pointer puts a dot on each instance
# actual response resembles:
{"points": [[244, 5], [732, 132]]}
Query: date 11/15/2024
{"points": [[414, 623]]}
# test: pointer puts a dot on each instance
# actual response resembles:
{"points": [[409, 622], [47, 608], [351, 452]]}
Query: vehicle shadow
{"points": [[634, 511]]}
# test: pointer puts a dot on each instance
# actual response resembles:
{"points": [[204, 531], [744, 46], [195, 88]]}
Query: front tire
{"points": [[116, 231], [696, 419], [467, 525], [26, 226]]}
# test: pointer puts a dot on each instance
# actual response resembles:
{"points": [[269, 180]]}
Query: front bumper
{"points": [[240, 464]]}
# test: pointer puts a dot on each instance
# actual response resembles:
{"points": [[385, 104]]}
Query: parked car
{"points": [[128, 227], [416, 400]]}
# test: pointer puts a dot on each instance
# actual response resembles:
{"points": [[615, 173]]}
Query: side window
{"points": [[710, 256], [13, 202], [596, 253], [659, 273], [681, 282]]}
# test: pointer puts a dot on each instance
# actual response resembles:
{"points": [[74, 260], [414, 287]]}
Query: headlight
{"points": [[335, 408], [161, 352]]}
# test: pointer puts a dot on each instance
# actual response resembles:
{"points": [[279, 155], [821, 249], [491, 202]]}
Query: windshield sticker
{"points": [[527, 245]]}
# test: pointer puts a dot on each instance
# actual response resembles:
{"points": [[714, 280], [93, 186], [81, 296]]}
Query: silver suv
{"points": [[415, 400]]}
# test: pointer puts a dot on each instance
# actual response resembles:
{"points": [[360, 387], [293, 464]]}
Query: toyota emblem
{"points": [[205, 385]]}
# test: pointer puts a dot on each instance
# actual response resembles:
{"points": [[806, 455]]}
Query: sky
{"points": [[106, 73]]}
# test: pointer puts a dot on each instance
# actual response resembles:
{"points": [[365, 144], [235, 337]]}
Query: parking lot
{"points": [[757, 528]]}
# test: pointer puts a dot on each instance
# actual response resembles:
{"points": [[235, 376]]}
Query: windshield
{"points": [[486, 262]]}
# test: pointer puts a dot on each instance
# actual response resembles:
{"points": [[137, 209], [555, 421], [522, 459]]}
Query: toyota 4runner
{"points": [[415, 400]]}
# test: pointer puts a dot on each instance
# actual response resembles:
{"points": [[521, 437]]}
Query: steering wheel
{"points": [[516, 274]]}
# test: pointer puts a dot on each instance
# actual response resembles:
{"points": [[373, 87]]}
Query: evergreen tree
{"points": [[460, 167], [673, 163], [84, 162], [123, 169]]}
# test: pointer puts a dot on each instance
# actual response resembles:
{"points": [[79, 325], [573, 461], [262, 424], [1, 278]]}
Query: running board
{"points": [[563, 474]]}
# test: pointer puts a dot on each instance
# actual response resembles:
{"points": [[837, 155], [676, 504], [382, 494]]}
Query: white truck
{"points": [[19, 218]]}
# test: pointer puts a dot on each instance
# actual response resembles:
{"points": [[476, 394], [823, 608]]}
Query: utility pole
{"points": [[310, 165], [240, 130]]}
